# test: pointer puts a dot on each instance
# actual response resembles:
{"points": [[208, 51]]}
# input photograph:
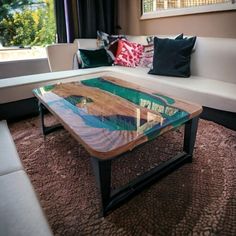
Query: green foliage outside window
{"points": [[6, 6], [27, 23]]}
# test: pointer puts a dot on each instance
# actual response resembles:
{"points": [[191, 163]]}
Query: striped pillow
{"points": [[147, 56]]}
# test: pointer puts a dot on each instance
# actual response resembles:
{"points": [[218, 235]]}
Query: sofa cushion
{"points": [[215, 58], [172, 57], [113, 47], [202, 90], [9, 159], [20, 212], [147, 56], [128, 54], [21, 87], [104, 39], [88, 43], [95, 58]]}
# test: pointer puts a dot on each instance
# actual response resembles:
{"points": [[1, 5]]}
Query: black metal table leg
{"points": [[46, 130], [190, 133], [102, 170]]}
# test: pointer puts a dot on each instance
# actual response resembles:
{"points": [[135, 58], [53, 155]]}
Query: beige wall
{"points": [[216, 24]]}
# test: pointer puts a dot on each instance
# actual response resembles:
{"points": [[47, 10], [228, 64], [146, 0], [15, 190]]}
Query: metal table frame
{"points": [[102, 168]]}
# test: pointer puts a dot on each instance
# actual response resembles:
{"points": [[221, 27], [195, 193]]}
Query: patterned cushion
{"points": [[104, 39], [112, 47], [147, 56], [150, 39], [128, 54]]}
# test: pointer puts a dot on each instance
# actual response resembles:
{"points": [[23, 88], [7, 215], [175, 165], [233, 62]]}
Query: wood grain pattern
{"points": [[110, 116]]}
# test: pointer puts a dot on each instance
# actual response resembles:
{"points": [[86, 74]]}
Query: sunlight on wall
{"points": [[9, 54]]}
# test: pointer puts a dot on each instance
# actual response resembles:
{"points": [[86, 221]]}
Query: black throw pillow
{"points": [[172, 57], [95, 58], [150, 39]]}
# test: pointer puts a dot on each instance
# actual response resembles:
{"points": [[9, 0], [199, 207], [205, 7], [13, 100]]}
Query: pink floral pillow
{"points": [[147, 56], [128, 53]]}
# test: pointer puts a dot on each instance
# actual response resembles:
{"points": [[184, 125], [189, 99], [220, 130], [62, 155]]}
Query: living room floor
{"points": [[199, 198]]}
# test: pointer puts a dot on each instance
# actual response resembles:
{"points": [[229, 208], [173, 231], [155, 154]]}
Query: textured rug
{"points": [[197, 199]]}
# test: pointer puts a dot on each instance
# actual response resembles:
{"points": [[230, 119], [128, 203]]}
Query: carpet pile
{"points": [[197, 199]]}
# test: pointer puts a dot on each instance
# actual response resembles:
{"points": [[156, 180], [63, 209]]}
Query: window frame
{"points": [[188, 11]]}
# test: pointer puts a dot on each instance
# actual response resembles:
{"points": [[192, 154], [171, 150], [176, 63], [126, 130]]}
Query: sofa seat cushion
{"points": [[208, 92], [20, 212], [211, 93], [9, 159], [21, 87]]}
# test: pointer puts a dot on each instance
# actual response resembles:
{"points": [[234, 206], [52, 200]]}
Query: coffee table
{"points": [[109, 117]]}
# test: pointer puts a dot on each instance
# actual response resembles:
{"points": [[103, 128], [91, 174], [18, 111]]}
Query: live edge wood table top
{"points": [[109, 116]]}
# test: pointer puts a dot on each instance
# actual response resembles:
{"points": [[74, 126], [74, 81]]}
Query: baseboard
{"points": [[18, 110], [225, 118], [14, 111]]}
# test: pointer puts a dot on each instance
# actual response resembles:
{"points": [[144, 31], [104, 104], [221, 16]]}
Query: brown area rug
{"points": [[197, 199]]}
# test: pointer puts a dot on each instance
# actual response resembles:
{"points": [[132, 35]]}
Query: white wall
{"points": [[23, 67]]}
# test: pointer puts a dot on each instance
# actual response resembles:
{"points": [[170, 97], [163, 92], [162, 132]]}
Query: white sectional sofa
{"points": [[20, 210], [212, 83], [213, 68]]}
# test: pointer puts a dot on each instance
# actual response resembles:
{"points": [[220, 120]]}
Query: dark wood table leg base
{"points": [[47, 129], [102, 169]]}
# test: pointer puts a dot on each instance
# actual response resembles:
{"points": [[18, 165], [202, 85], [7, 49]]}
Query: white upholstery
{"points": [[86, 43], [138, 39], [208, 92], [20, 212], [215, 58], [9, 159], [21, 87], [212, 84], [143, 38], [60, 56]]}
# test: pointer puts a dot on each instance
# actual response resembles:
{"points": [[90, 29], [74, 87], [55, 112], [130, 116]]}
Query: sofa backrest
{"points": [[86, 43], [213, 58], [60, 56], [142, 39]]}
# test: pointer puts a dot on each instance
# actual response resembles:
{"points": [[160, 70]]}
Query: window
{"points": [[163, 8], [26, 26]]}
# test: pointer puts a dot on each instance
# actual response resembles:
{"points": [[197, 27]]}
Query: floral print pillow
{"points": [[147, 56], [128, 53]]}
